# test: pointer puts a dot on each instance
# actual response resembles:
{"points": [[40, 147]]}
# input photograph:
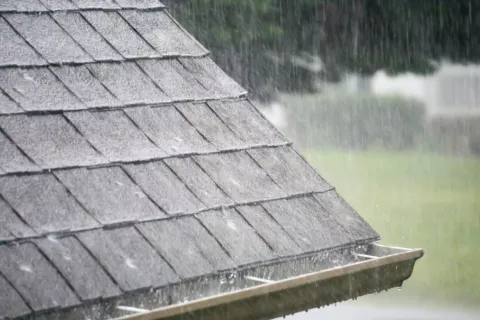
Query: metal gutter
{"points": [[382, 268]]}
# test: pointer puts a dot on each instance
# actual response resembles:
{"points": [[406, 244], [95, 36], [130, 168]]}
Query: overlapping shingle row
{"points": [[129, 161]]}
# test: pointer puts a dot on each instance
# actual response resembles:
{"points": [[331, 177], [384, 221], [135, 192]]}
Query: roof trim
{"points": [[397, 262]]}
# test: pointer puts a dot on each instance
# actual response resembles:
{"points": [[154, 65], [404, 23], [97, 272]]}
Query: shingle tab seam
{"points": [[59, 272], [223, 121], [117, 225], [17, 291], [23, 38], [77, 130], [71, 37], [107, 163], [213, 236], [139, 231], [23, 152], [9, 97], [132, 179], [48, 10]]}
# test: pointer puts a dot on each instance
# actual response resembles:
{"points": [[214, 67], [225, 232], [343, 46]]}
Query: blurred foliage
{"points": [[258, 42], [357, 121]]}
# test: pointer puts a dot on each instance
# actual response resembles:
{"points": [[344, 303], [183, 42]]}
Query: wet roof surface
{"points": [[131, 162]]}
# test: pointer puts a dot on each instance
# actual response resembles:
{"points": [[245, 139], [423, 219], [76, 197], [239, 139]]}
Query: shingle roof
{"points": [[131, 162]]}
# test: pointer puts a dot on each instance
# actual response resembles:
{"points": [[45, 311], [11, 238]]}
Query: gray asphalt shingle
{"points": [[212, 77], [163, 33], [128, 83], [346, 215], [173, 79], [308, 223], [80, 269], [164, 187], [21, 5], [41, 31], [11, 303], [37, 89], [199, 182], [59, 5], [179, 245], [270, 230], [114, 135], [293, 174], [211, 126], [239, 176], [50, 141], [85, 86], [14, 50], [12, 226], [132, 262], [113, 28], [242, 118], [7, 105], [96, 4], [109, 194], [90, 40], [35, 278], [237, 237], [11, 159], [142, 4], [44, 203], [169, 130]]}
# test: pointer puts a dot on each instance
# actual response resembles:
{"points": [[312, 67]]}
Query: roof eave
{"points": [[383, 268]]}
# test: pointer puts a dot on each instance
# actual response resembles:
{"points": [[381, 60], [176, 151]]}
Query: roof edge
{"points": [[381, 268]]}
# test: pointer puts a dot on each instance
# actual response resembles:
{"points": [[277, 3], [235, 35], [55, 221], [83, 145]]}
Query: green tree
{"points": [[262, 42]]}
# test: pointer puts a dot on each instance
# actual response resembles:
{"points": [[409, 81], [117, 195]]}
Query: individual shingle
{"points": [[21, 5], [35, 278], [41, 31], [59, 5], [44, 203], [11, 159], [12, 226], [236, 236], [169, 130], [270, 230], [37, 89], [86, 36], [308, 223], [79, 268], [127, 256], [50, 141], [140, 4], [96, 4], [199, 182], [346, 215], [85, 86], [128, 82], [114, 135], [174, 79], [7, 105], [116, 31], [292, 173], [242, 118], [211, 126], [163, 33], [109, 194], [11, 303], [182, 242], [212, 77], [163, 186], [14, 50], [238, 175]]}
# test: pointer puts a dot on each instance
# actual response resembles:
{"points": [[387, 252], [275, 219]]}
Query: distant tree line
{"points": [[266, 44]]}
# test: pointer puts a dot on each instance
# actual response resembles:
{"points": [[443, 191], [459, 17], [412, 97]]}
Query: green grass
{"points": [[418, 200]]}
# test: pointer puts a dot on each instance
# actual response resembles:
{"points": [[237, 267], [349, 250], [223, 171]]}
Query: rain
{"points": [[383, 99], [239, 159]]}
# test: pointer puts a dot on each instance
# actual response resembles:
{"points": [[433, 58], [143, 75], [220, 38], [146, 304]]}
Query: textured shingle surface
{"points": [[130, 161]]}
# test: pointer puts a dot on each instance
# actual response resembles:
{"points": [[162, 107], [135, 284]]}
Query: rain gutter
{"points": [[380, 268]]}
